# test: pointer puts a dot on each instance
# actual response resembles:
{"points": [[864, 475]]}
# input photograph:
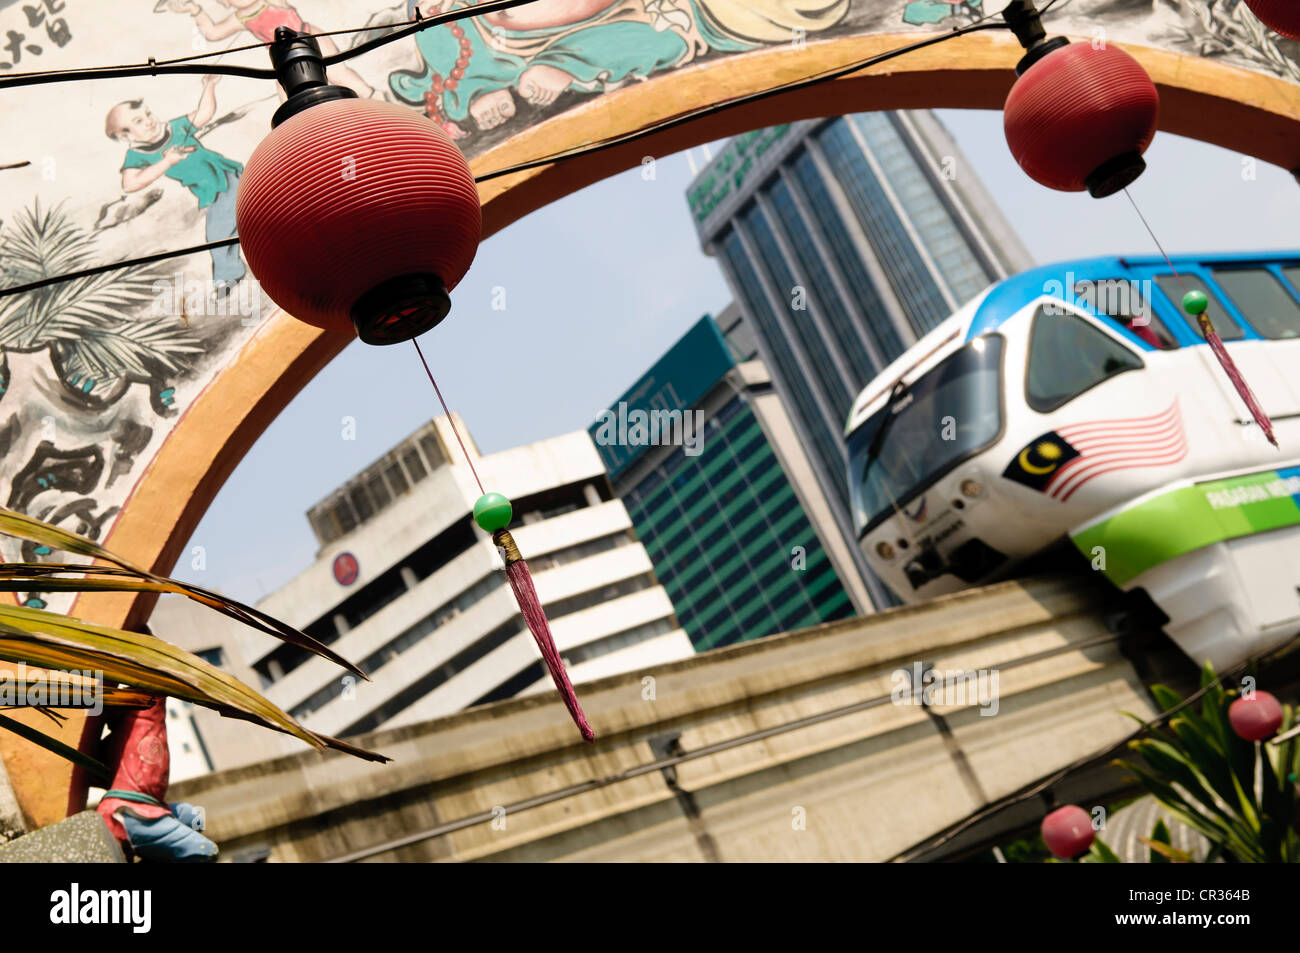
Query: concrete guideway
{"points": [[796, 747]]}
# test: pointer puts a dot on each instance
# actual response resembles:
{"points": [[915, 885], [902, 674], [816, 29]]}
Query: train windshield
{"points": [[925, 429]]}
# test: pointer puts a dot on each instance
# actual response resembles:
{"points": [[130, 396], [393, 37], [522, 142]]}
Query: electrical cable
{"points": [[182, 65], [587, 149]]}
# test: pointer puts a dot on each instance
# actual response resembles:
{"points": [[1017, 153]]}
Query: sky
{"points": [[597, 286]]}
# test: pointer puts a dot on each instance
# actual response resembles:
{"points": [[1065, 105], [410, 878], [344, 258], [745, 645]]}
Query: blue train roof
{"points": [[1009, 296]]}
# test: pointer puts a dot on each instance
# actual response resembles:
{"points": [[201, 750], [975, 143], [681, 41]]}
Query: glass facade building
{"points": [[845, 241], [729, 538]]}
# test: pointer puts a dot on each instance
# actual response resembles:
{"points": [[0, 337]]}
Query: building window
{"points": [[947, 245], [827, 448], [214, 656], [378, 491], [821, 288], [414, 465], [396, 479], [866, 295], [361, 504], [816, 351], [914, 285], [432, 452]]}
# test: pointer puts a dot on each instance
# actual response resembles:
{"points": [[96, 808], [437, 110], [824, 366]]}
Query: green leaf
{"points": [[1159, 835], [57, 747], [143, 661], [1104, 855], [23, 577]]}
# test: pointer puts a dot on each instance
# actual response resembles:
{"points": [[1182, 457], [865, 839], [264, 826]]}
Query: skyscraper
{"points": [[845, 240], [721, 494]]}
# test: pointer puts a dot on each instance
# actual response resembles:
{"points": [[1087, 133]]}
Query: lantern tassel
{"points": [[1238, 381], [521, 582]]}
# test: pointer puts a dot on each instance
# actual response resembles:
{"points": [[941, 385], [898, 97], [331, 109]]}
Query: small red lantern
{"points": [[355, 213], [1068, 832], [1257, 717], [1280, 16], [1080, 117]]}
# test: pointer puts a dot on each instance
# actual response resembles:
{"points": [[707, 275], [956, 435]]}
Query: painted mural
{"points": [[95, 372]]}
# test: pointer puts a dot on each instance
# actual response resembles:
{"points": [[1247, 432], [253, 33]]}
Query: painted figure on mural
{"points": [[921, 12], [473, 70], [260, 18], [172, 149]]}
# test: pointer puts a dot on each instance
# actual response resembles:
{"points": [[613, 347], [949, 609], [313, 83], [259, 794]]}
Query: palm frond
{"points": [[54, 746], [37, 637], [26, 577], [48, 692], [143, 662]]}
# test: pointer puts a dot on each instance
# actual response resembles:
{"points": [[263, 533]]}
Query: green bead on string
{"points": [[492, 512], [1195, 302]]}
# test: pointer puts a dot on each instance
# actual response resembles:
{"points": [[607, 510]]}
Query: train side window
{"points": [[1261, 298], [1228, 329], [1293, 275], [1121, 299], [1068, 356]]}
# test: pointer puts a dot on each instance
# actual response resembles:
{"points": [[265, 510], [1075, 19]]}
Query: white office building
{"points": [[408, 587]]}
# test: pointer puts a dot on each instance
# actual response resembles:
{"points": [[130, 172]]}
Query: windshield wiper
{"points": [[898, 392]]}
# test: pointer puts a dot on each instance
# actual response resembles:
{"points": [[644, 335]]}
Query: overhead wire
{"points": [[586, 149], [189, 65]]}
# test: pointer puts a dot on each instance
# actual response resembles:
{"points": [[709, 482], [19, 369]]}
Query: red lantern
{"points": [[1255, 718], [1080, 117], [1280, 16], [355, 213], [1068, 832]]}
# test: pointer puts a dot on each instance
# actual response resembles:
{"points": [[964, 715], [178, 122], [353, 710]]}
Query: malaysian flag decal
{"points": [[1059, 462]]}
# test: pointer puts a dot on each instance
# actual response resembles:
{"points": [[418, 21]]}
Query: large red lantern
{"points": [[1280, 16], [355, 213], [1255, 718], [1080, 116], [1068, 832]]}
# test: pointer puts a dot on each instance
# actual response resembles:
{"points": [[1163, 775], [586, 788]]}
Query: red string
{"points": [[1235, 377], [1156, 240], [450, 419]]}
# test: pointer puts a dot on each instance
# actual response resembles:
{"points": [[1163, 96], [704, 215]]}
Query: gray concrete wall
{"points": [[791, 748]]}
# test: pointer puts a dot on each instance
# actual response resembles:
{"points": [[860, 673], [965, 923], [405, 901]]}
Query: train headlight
{"points": [[972, 488], [884, 550]]}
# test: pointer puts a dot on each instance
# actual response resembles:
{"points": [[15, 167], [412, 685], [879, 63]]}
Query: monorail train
{"points": [[1079, 402]]}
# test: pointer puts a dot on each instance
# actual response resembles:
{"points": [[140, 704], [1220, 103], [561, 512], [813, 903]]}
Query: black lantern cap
{"points": [[400, 308], [1027, 24], [300, 68]]}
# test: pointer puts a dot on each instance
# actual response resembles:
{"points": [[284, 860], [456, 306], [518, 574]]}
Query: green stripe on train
{"points": [[1186, 519]]}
